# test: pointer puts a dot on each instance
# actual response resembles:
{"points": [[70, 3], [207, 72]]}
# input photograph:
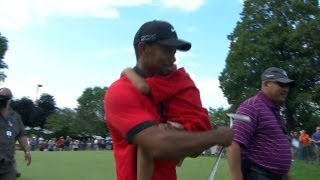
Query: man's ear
{"points": [[141, 48], [264, 83]]}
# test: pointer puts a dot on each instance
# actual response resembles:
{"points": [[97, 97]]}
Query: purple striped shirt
{"points": [[263, 140]]}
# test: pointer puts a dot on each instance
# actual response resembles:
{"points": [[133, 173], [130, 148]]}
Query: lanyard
{"points": [[281, 123], [9, 127]]}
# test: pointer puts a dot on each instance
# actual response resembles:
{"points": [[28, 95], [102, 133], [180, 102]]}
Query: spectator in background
{"points": [[51, 144], [42, 144], [95, 144], [11, 129], [75, 145], [295, 144], [67, 143], [102, 144], [82, 145], [316, 140], [304, 139], [60, 144], [108, 143], [33, 143], [89, 144]]}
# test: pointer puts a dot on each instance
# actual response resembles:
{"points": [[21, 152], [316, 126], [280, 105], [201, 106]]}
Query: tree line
{"points": [[84, 121]]}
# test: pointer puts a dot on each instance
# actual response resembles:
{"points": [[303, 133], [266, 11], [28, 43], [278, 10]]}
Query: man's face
{"points": [[277, 91], [157, 58]]}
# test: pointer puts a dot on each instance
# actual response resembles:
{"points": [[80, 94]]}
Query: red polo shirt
{"points": [[127, 113]]}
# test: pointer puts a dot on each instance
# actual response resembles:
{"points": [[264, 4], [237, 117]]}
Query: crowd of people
{"points": [[306, 147], [69, 144]]}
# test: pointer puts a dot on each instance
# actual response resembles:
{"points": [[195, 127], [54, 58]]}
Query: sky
{"points": [[70, 45]]}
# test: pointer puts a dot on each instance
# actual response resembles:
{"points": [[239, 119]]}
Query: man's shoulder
{"points": [[123, 90], [15, 116], [316, 135], [119, 82], [254, 104], [121, 85], [253, 100]]}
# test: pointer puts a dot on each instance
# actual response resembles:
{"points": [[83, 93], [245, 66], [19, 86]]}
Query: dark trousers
{"points": [[306, 153], [251, 171], [261, 174], [10, 175]]}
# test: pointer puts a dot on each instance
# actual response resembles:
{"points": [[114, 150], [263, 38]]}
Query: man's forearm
{"points": [[163, 142], [234, 161], [23, 141]]}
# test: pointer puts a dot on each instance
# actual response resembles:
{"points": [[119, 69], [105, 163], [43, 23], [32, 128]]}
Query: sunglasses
{"points": [[282, 85], [318, 129]]}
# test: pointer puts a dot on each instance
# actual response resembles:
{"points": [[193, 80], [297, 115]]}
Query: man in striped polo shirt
{"points": [[261, 148]]}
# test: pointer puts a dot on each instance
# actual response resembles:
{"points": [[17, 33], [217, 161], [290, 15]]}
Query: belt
{"points": [[262, 171]]}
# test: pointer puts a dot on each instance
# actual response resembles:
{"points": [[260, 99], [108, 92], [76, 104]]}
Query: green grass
{"points": [[99, 165]]}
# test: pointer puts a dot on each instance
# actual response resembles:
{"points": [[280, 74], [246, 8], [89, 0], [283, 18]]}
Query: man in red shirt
{"points": [[183, 108], [60, 143], [134, 119]]}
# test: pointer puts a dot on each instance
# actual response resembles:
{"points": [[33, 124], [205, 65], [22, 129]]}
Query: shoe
{"points": [[18, 174]]}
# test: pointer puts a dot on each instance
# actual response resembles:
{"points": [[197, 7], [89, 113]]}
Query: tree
{"points": [[46, 106], [26, 108], [280, 33], [90, 115], [62, 123], [218, 116], [3, 49]]}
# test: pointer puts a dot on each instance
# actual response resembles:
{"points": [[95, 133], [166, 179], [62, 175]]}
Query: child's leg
{"points": [[144, 165]]}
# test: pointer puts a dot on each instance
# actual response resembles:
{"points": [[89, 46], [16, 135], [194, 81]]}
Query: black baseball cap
{"points": [[276, 74], [160, 32]]}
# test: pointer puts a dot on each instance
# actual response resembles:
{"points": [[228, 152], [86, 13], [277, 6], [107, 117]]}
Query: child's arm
{"points": [[144, 165], [136, 80]]}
